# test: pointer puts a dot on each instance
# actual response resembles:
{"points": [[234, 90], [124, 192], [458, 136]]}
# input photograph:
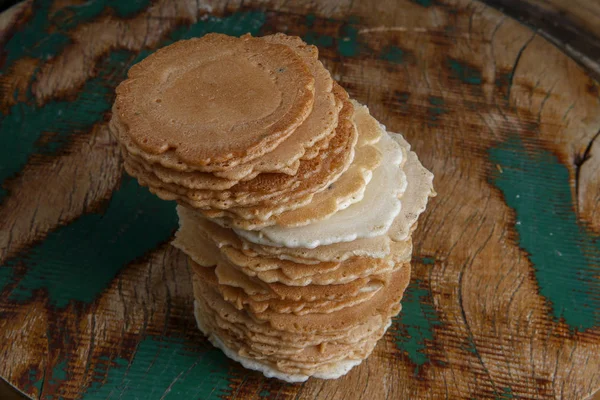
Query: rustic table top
{"points": [[504, 300]]}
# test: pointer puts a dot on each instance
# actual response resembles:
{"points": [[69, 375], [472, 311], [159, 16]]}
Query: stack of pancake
{"points": [[296, 207]]}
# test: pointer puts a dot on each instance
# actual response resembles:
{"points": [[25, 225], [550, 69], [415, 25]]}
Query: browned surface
{"points": [[494, 310]]}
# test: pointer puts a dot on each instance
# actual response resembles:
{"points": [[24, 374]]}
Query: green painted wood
{"points": [[505, 296]]}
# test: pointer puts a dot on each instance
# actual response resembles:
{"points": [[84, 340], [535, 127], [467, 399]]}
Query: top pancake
{"points": [[319, 124], [258, 195], [155, 170], [215, 102]]}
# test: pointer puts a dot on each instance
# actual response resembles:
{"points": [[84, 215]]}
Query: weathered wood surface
{"points": [[573, 25], [505, 296]]}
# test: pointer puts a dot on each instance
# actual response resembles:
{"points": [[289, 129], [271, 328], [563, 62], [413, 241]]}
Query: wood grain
{"points": [[574, 26], [504, 298]]}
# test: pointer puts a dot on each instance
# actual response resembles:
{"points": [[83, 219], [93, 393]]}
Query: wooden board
{"points": [[572, 25], [505, 296]]}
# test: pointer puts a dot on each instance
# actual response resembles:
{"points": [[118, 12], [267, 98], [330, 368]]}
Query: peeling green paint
{"points": [[428, 260], [347, 41], [5, 275], [51, 386], [470, 346], [166, 368], [424, 3], [318, 40], [38, 385], [400, 102], [29, 129], [70, 16], [465, 73], [353, 19], [236, 24], [33, 39], [506, 394], [59, 373], [392, 54], [35, 379], [36, 40], [436, 110], [565, 255], [264, 393], [347, 44], [436, 101], [415, 323], [77, 261], [402, 96], [127, 9]]}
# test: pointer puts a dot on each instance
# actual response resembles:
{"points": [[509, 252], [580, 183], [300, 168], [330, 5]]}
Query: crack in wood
{"points": [[516, 64], [464, 315], [578, 162], [577, 41]]}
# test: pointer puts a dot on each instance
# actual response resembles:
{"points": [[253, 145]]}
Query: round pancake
{"points": [[228, 275], [330, 371], [206, 287], [204, 279], [319, 124], [216, 101], [272, 270], [264, 307], [307, 357], [382, 305], [264, 345], [348, 189], [370, 217], [269, 189], [192, 239], [193, 179], [204, 252], [257, 264], [377, 247], [351, 185], [414, 200], [200, 249], [241, 300], [189, 176]]}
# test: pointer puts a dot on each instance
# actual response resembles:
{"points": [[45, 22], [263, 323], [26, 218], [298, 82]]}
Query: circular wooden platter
{"points": [[504, 300]]}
